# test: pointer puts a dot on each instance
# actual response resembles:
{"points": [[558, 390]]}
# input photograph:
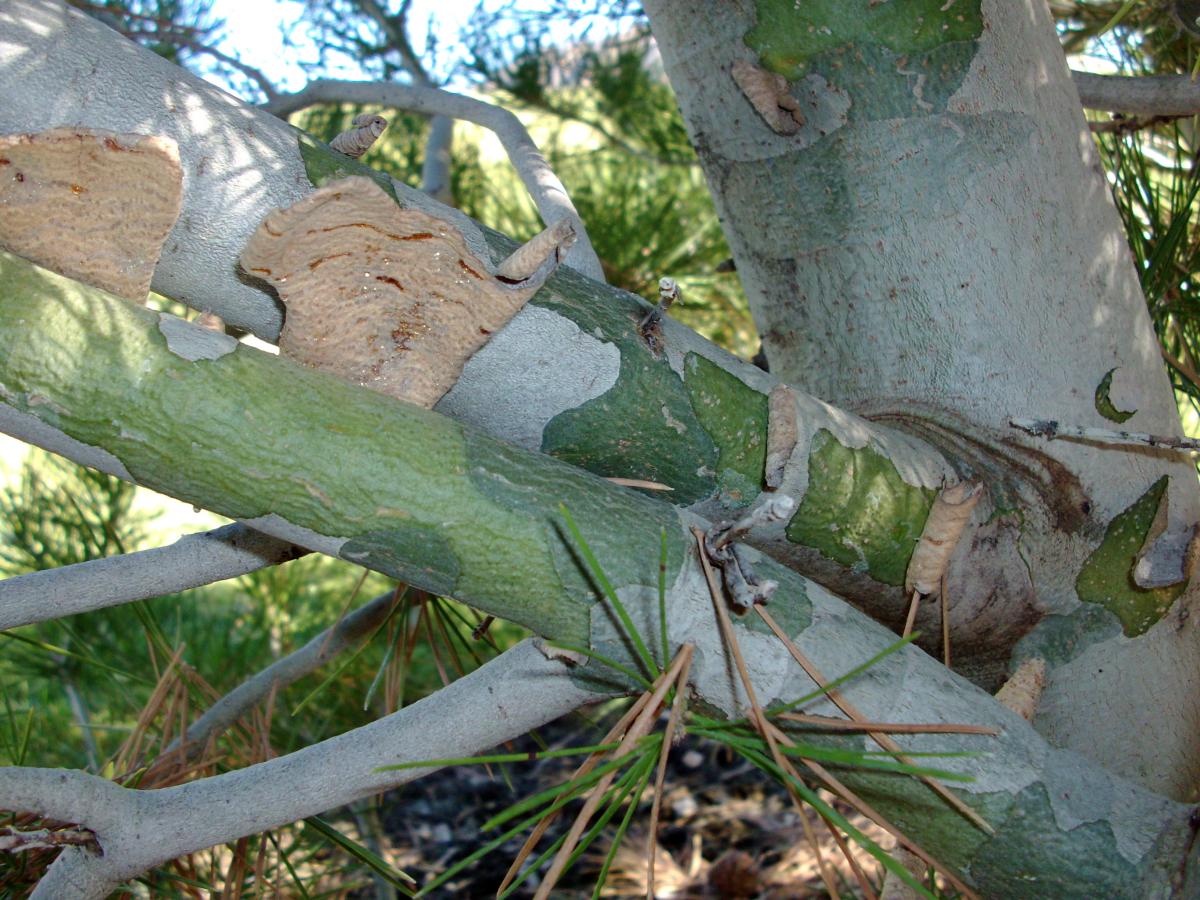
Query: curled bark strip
{"points": [[782, 433], [768, 94], [550, 244], [388, 298], [949, 516], [1023, 690], [357, 140], [92, 205]]}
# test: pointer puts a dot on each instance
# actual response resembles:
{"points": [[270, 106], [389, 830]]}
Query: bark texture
{"points": [[936, 248]]}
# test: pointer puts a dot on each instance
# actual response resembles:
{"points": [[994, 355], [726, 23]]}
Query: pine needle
{"points": [[880, 738]]}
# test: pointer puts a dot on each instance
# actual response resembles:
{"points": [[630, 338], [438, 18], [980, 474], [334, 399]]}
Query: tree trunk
{"points": [[935, 247]]}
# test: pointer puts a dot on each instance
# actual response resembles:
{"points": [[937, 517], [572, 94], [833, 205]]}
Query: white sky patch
{"points": [[254, 32]]}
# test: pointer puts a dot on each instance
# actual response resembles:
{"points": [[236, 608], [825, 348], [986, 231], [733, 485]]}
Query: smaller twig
{"points": [[1052, 430], [13, 840], [1121, 124], [295, 665], [668, 293], [254, 74], [912, 614], [744, 586], [668, 739], [776, 509], [827, 723], [191, 561], [1142, 95]]}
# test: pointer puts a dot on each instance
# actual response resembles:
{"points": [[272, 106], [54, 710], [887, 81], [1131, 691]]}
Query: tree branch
{"points": [[136, 830], [254, 74], [544, 187], [193, 560], [1139, 95], [435, 168], [318, 651]]}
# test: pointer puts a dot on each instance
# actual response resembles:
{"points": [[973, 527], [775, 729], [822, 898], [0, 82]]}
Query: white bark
{"points": [[193, 560], [137, 830], [318, 651], [944, 270]]}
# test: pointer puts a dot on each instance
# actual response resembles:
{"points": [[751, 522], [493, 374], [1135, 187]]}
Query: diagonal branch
{"points": [[254, 74], [136, 830], [405, 491], [318, 651], [544, 187], [193, 560]]}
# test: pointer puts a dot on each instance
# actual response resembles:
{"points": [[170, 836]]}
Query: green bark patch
{"points": [[1030, 839], [629, 554], [1104, 404], [914, 808], [390, 551], [643, 427], [735, 417], [317, 452], [858, 511], [1059, 639], [1106, 578], [323, 164], [918, 51]]}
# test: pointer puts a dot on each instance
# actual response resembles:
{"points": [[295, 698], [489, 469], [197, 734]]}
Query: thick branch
{"points": [[193, 560], [136, 830], [548, 193], [1140, 95]]}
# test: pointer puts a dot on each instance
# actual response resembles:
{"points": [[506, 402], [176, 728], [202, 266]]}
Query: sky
{"points": [[253, 33]]}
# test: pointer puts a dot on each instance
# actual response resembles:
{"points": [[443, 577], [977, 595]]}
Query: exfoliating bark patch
{"points": [[93, 205]]}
